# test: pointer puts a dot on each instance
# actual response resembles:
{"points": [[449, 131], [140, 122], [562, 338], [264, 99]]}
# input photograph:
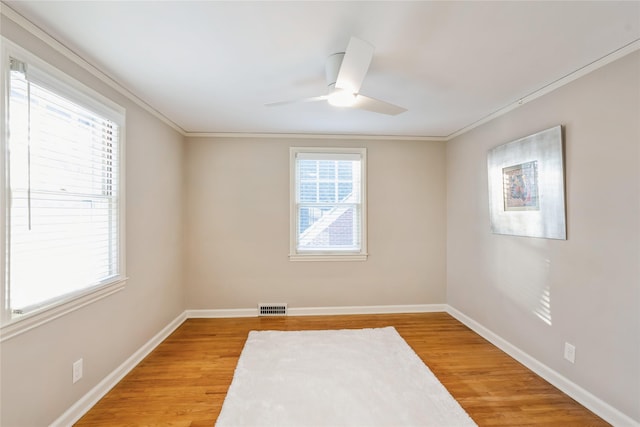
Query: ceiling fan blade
{"points": [[377, 106], [355, 64], [298, 101]]}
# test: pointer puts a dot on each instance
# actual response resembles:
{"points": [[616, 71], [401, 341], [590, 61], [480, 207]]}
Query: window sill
{"points": [[328, 257], [44, 315]]}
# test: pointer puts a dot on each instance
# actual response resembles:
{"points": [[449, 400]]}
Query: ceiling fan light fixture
{"points": [[345, 72], [341, 98]]}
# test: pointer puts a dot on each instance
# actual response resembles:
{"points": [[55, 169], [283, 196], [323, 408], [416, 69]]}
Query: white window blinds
{"points": [[63, 193], [329, 201]]}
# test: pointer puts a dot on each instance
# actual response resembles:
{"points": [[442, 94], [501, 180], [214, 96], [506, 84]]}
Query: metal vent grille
{"points": [[272, 309]]}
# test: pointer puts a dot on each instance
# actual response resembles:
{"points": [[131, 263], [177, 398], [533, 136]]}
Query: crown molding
{"points": [[581, 72], [313, 136], [36, 31], [120, 88]]}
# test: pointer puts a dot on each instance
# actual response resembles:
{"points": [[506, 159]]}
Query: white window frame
{"points": [[82, 95], [326, 255]]}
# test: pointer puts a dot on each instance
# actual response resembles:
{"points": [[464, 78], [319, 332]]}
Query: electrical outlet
{"points": [[570, 352], [77, 370]]}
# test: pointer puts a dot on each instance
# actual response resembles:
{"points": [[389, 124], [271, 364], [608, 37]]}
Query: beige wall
{"points": [[237, 227], [35, 382], [591, 280], [236, 233]]}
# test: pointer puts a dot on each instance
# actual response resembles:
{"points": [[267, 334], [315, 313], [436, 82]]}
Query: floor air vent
{"points": [[272, 309]]}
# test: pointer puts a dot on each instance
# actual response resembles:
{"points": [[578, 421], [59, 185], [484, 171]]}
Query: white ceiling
{"points": [[210, 66]]}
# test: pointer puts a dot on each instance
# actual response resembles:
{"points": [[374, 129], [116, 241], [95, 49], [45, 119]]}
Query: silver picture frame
{"points": [[526, 186]]}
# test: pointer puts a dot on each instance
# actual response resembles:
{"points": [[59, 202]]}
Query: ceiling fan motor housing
{"points": [[345, 72]]}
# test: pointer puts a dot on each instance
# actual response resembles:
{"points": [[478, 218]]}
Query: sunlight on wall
{"points": [[544, 308], [523, 273]]}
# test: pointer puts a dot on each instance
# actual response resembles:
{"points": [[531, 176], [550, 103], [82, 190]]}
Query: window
{"points": [[63, 189], [328, 209]]}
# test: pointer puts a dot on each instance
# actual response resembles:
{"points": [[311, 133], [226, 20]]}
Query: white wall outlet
{"points": [[570, 352], [77, 370]]}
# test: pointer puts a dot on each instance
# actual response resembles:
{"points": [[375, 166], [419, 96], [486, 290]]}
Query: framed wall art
{"points": [[526, 186]]}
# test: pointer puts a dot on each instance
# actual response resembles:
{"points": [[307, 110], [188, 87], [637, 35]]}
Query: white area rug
{"points": [[360, 377]]}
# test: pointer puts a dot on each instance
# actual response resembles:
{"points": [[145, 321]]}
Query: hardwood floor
{"points": [[183, 382]]}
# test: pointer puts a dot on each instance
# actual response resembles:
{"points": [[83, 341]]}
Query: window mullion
{"points": [[335, 181], [317, 181]]}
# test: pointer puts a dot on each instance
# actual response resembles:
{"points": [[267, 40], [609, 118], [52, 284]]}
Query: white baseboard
{"points": [[221, 313], [582, 396], [367, 309], [599, 407], [320, 311], [75, 412], [78, 409]]}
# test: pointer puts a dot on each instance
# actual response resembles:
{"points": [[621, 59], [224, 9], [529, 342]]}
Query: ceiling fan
{"points": [[345, 72]]}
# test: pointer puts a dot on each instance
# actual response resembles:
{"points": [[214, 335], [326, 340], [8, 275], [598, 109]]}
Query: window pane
{"points": [[345, 170], [344, 191], [308, 216], [307, 169], [308, 192], [330, 227], [327, 169], [327, 192], [63, 210], [328, 210], [62, 251]]}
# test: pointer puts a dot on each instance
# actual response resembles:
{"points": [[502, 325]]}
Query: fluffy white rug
{"points": [[360, 377]]}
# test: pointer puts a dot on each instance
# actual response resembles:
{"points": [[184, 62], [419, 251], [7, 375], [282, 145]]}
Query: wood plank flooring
{"points": [[183, 382]]}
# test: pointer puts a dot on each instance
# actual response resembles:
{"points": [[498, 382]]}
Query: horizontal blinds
{"points": [[328, 201], [44, 79], [328, 156], [63, 210]]}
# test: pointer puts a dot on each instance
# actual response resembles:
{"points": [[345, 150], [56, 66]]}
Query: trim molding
{"points": [[37, 32], [367, 309], [319, 311], [599, 63], [85, 403], [415, 138], [221, 313], [114, 84], [585, 398], [82, 406], [582, 396], [62, 308], [574, 75]]}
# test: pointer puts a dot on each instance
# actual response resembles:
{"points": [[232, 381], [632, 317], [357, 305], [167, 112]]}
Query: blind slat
{"points": [[63, 167]]}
